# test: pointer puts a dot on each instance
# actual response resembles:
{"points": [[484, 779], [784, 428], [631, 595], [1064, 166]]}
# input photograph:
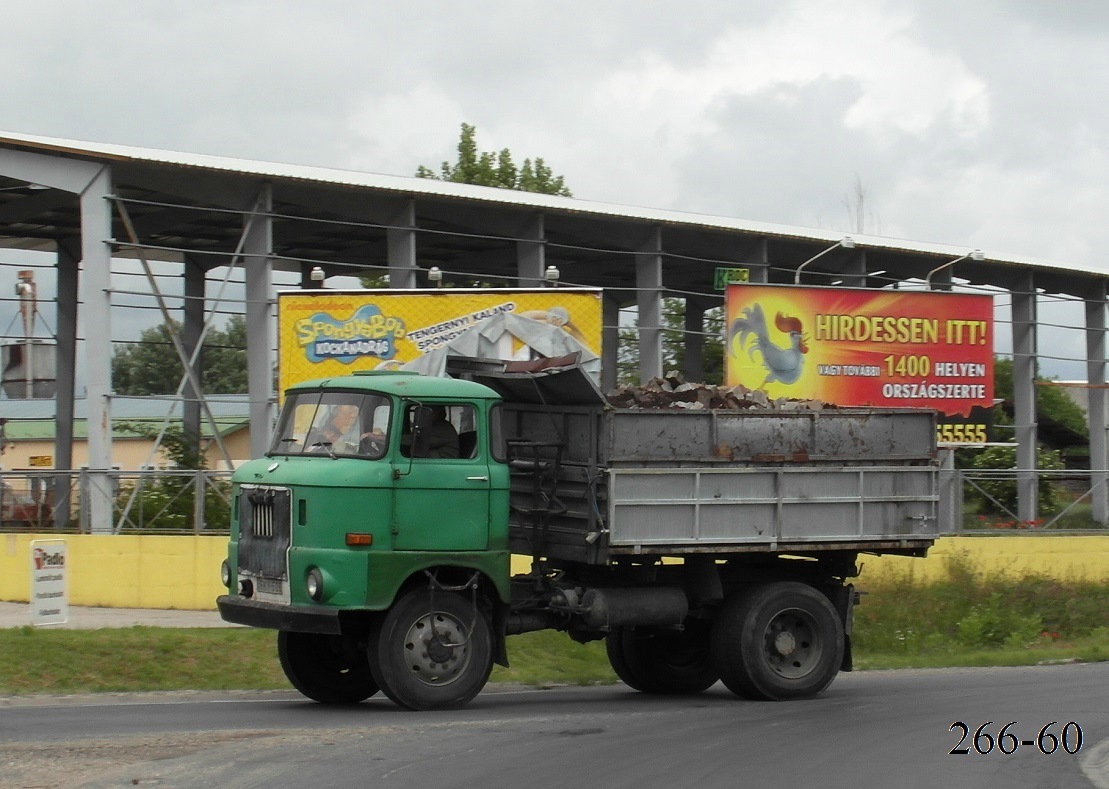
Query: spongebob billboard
{"points": [[865, 347], [324, 333]]}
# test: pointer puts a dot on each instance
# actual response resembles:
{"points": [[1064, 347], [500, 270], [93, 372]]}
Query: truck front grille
{"points": [[264, 529]]}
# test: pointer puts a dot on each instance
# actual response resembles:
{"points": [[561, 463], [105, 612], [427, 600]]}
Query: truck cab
{"points": [[372, 484]]}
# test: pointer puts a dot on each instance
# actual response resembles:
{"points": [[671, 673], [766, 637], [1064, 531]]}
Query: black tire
{"points": [[779, 641], [422, 670], [661, 660], [326, 668]]}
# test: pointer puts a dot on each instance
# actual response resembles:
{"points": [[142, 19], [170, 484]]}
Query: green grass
{"points": [[966, 619]]}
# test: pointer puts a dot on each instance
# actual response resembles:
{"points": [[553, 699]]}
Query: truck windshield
{"points": [[333, 423]]}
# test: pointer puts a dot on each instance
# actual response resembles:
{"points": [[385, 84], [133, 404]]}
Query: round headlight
{"points": [[225, 573], [313, 584]]}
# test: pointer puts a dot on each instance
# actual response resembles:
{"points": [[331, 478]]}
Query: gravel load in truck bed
{"points": [[672, 391]]}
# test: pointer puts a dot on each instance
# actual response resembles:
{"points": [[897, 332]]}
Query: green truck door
{"points": [[442, 503]]}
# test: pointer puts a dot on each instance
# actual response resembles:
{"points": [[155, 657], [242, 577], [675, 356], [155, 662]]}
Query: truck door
{"points": [[442, 488]]}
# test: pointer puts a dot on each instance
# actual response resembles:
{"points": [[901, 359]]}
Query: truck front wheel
{"points": [[432, 651], [325, 668], [662, 661], [778, 641]]}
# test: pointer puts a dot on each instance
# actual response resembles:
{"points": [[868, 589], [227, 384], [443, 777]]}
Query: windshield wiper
{"points": [[326, 445]]}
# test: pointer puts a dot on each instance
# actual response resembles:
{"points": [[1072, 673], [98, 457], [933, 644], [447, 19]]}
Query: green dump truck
{"points": [[377, 534]]}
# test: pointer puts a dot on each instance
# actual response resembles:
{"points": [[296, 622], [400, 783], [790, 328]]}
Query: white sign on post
{"points": [[49, 600]]}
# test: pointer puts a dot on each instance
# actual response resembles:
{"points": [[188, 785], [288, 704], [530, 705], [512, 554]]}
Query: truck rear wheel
{"points": [[430, 653], [778, 641], [663, 661], [326, 668]]}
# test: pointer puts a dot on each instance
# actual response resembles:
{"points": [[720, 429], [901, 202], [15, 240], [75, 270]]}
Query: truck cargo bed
{"points": [[592, 483]]}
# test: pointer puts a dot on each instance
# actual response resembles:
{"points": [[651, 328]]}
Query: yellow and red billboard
{"points": [[323, 333], [863, 347]]}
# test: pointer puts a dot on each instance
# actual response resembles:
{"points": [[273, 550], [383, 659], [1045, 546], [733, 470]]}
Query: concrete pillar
{"points": [[1095, 375], [531, 259], [648, 283], [192, 326], [260, 330], [96, 319], [1024, 393], [401, 248]]}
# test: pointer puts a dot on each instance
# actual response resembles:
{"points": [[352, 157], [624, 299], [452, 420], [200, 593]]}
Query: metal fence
{"points": [[985, 500], [154, 500], [199, 502]]}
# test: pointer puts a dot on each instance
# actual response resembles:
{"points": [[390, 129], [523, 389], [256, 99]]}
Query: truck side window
{"points": [[448, 430], [496, 434]]}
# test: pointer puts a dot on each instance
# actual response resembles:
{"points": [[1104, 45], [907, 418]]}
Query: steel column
{"points": [[191, 338], [693, 340], [260, 331], [530, 255], [760, 263], [67, 266], [1095, 376], [1024, 393], [401, 248], [610, 342], [648, 283], [96, 319]]}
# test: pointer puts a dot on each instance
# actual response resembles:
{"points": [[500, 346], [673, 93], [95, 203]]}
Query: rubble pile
{"points": [[672, 391]]}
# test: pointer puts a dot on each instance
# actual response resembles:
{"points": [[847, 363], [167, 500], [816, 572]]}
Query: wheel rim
{"points": [[791, 643], [437, 649]]}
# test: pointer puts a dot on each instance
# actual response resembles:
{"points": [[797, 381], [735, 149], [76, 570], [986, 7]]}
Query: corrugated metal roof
{"points": [[432, 187], [123, 408]]}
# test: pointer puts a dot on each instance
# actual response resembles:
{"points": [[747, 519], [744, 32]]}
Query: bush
{"points": [[998, 495]]}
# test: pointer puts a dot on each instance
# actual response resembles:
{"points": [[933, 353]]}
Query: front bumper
{"points": [[297, 618]]}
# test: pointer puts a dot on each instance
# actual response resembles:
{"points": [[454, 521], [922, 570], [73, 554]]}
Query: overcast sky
{"points": [[980, 123]]}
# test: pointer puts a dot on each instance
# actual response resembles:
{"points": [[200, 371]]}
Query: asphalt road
{"points": [[870, 729]]}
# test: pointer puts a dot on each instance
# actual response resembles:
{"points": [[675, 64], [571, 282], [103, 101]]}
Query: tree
{"points": [[674, 341], [168, 501], [1051, 401], [496, 168], [151, 365]]}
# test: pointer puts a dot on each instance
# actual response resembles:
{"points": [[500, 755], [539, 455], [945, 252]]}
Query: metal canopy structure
{"points": [[88, 203]]}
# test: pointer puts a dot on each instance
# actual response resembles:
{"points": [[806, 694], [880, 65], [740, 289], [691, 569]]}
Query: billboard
{"points": [[324, 333], [865, 347]]}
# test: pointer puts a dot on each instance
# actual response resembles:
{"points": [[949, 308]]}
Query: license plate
{"points": [[268, 586]]}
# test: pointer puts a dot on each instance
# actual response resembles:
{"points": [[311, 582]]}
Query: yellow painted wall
{"points": [[123, 571], [182, 572]]}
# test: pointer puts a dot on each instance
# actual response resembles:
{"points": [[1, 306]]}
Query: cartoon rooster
{"points": [[782, 364]]}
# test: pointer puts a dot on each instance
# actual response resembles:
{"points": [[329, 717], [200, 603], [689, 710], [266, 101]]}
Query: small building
{"points": [[29, 429]]}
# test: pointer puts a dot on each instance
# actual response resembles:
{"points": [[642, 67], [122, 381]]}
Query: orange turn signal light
{"points": [[359, 538]]}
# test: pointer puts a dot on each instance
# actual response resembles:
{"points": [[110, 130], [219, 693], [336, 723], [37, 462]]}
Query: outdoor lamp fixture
{"points": [[976, 255], [551, 275], [846, 242], [317, 276], [435, 276]]}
